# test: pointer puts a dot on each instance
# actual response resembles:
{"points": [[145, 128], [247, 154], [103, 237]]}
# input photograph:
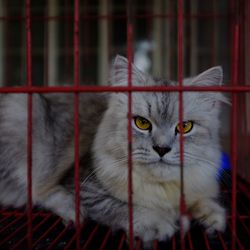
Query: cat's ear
{"points": [[119, 73], [210, 77]]}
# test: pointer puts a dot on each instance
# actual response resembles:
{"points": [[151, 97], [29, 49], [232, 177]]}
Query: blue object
{"points": [[225, 163]]}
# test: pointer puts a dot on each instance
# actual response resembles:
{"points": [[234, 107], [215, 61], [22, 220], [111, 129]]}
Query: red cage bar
{"points": [[180, 33], [130, 180], [235, 51], [29, 122], [76, 120], [73, 238]]}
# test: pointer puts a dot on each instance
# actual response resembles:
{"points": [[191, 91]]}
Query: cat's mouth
{"points": [[164, 163]]}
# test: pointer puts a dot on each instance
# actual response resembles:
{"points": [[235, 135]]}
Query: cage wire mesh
{"points": [[67, 46]]}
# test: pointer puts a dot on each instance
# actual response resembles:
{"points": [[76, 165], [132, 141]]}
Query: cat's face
{"points": [[156, 128]]}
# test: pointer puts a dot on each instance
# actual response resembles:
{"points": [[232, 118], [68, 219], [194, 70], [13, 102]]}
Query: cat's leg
{"points": [[60, 201], [148, 224], [210, 214], [153, 224]]}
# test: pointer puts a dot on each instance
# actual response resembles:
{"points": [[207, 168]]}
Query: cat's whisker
{"points": [[91, 174], [196, 157]]}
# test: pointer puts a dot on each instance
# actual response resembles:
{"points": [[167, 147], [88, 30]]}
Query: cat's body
{"points": [[52, 142], [104, 155]]}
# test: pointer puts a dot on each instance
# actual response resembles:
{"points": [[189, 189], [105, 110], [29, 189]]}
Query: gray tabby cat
{"points": [[104, 155]]}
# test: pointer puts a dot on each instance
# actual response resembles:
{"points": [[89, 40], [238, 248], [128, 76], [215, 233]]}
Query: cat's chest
{"points": [[147, 191], [150, 194]]}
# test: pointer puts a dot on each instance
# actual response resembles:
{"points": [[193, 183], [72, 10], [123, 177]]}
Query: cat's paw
{"points": [[148, 233], [216, 221], [211, 215], [69, 215], [62, 203], [153, 226]]}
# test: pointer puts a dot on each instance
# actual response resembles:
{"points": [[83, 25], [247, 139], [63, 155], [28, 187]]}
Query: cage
{"points": [[67, 46]]}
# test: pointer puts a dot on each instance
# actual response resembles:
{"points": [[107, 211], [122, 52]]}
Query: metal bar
{"points": [[155, 245], [53, 244], [130, 180], [245, 226], [239, 244], [242, 217], [5, 217], [68, 246], [47, 232], [121, 241], [157, 38], [194, 39], [86, 44], [138, 244], [103, 43], [190, 242], [46, 49], [72, 89], [214, 47], [8, 61], [229, 217], [17, 245], [205, 15], [234, 118], [174, 243], [29, 120], [76, 120], [91, 236], [104, 241], [244, 189], [11, 223], [243, 204], [206, 241], [28, 44], [11, 235], [170, 50], [180, 44], [20, 213], [52, 66], [67, 63], [2, 42], [29, 173], [222, 241]]}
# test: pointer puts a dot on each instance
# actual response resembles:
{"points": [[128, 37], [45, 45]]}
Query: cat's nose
{"points": [[161, 150]]}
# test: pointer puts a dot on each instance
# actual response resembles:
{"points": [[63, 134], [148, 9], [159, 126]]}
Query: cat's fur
{"points": [[104, 154]]}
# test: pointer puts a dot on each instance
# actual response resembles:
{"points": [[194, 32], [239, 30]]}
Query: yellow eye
{"points": [[142, 123], [186, 127]]}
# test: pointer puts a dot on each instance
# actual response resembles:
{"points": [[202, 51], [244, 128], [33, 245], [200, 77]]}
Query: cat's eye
{"points": [[185, 126], [142, 123]]}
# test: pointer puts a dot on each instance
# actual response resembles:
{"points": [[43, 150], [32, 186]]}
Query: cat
{"points": [[104, 154]]}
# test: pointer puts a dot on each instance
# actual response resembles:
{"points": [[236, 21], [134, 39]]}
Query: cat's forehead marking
{"points": [[162, 102], [159, 106], [166, 107], [149, 105]]}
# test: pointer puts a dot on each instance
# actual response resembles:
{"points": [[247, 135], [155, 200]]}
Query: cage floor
{"points": [[50, 233]]}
